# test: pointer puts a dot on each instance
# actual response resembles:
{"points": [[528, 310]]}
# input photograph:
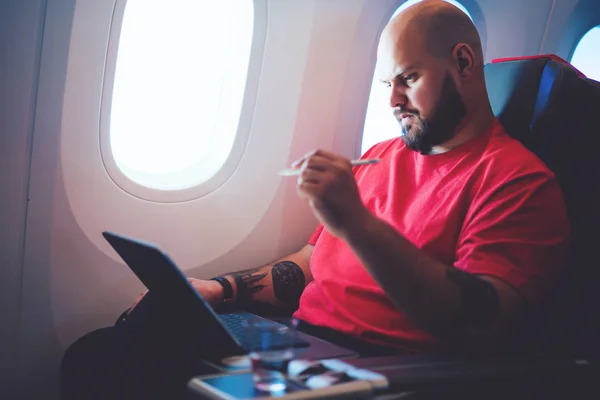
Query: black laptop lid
{"points": [[188, 314]]}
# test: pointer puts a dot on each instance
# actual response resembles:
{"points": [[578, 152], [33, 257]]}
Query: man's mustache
{"points": [[398, 112]]}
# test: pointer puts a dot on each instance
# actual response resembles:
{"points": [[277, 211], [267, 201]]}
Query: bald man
{"points": [[445, 246], [458, 232]]}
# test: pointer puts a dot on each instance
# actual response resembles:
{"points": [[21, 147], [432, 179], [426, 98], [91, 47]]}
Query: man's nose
{"points": [[397, 96]]}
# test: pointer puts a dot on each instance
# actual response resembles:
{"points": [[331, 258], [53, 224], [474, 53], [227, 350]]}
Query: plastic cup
{"points": [[271, 352]]}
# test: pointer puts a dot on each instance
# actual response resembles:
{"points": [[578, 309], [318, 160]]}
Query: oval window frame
{"points": [[234, 157]]}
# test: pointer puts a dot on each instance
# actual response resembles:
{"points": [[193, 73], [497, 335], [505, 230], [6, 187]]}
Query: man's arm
{"points": [[468, 309], [275, 288], [460, 307]]}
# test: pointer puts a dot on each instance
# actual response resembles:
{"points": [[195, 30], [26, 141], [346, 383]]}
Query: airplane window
{"points": [[586, 57], [179, 84], [409, 3], [380, 124]]}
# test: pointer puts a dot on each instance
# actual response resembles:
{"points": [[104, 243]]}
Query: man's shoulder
{"points": [[508, 157]]}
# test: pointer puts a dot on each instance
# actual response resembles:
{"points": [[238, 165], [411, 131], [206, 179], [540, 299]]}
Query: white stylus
{"points": [[296, 171]]}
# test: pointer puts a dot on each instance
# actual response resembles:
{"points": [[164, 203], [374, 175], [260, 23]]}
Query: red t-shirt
{"points": [[488, 207]]}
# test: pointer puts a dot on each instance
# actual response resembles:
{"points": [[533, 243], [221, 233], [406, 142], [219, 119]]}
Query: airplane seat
{"points": [[554, 110]]}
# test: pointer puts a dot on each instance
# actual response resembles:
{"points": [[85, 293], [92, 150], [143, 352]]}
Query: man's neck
{"points": [[474, 124]]}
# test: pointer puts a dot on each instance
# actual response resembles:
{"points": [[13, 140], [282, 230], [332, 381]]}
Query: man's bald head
{"points": [[430, 57], [436, 25]]}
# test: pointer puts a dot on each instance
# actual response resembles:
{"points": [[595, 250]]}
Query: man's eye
{"points": [[410, 78]]}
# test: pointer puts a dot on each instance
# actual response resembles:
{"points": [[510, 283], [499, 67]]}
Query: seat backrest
{"points": [[555, 112]]}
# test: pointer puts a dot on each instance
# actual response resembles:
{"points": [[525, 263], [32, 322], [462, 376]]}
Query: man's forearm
{"points": [[273, 289], [262, 291], [442, 299]]}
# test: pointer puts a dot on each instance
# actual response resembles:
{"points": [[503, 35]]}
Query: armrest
{"points": [[531, 372]]}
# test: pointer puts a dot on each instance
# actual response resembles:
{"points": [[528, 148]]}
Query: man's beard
{"points": [[423, 134]]}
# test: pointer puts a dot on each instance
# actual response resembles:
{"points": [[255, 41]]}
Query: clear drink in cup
{"points": [[272, 352], [269, 369]]}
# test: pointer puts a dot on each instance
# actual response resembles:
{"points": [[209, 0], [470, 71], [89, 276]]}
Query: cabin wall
{"points": [[515, 28], [58, 278], [569, 21], [21, 27]]}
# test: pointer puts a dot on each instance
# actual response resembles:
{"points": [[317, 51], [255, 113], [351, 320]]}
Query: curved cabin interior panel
{"points": [[169, 121]]}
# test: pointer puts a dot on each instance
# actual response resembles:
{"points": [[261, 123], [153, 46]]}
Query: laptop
{"points": [[174, 299]]}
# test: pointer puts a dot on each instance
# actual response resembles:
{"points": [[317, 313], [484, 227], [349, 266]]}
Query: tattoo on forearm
{"points": [[480, 304], [288, 282], [247, 284]]}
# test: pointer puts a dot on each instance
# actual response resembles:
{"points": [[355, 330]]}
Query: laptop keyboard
{"points": [[234, 325]]}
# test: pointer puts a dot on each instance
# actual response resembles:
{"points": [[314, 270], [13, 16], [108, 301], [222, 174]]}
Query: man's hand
{"points": [[212, 291], [327, 182]]}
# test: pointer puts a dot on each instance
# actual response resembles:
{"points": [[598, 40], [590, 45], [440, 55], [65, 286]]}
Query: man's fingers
{"points": [[315, 153], [317, 163], [310, 176], [310, 184], [326, 154]]}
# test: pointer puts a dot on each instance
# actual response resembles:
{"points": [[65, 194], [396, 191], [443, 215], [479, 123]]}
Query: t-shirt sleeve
{"points": [[315, 236], [518, 233]]}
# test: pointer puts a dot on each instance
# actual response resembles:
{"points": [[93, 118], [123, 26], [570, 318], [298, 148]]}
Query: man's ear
{"points": [[463, 63], [465, 59]]}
